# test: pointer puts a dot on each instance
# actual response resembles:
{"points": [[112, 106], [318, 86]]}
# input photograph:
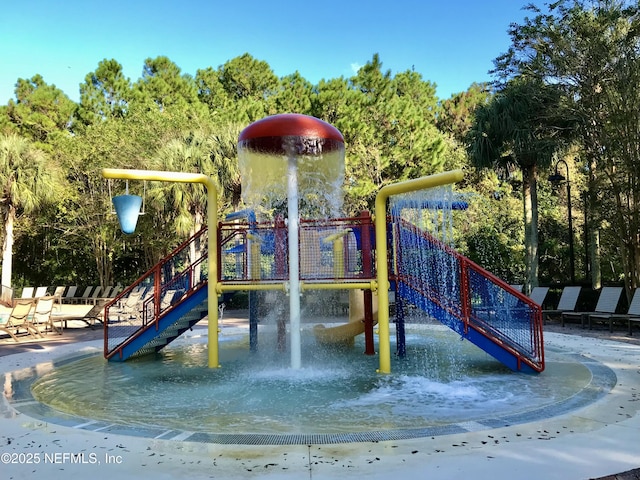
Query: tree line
{"points": [[565, 94]]}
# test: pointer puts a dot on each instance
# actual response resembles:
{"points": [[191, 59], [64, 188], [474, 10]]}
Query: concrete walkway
{"points": [[598, 440]]}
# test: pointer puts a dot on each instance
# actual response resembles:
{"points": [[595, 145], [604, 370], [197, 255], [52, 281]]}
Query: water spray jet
{"points": [[306, 148]]}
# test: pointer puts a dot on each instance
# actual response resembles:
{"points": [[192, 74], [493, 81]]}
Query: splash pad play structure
{"points": [[330, 254], [394, 253]]}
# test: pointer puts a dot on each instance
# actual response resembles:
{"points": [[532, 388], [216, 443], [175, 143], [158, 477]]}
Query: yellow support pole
{"points": [[255, 260], [212, 240], [338, 251], [383, 195]]}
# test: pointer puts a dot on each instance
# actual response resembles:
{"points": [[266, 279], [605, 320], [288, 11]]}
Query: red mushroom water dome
{"points": [[268, 132], [265, 148]]}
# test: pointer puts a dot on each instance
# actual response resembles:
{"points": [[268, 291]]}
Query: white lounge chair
{"points": [[632, 315], [42, 314], [18, 319], [27, 292], [567, 303], [70, 295], [129, 307], [41, 292], [85, 295], [95, 295], [538, 294], [607, 303]]}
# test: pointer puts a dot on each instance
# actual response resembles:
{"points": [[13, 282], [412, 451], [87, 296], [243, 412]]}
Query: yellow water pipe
{"points": [[372, 285], [383, 195], [212, 220], [246, 287]]}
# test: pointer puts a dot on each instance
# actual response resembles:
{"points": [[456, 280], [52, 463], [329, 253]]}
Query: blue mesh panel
{"points": [[431, 275]]}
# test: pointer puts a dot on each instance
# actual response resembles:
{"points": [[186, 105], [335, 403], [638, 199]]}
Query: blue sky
{"points": [[451, 43]]}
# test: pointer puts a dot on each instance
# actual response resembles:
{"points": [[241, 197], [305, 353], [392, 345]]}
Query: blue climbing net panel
{"points": [[459, 293]]}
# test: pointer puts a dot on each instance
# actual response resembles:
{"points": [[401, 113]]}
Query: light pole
{"points": [[557, 179]]}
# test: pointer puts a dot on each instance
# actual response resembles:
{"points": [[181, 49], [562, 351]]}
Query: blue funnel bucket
{"points": [[127, 208]]}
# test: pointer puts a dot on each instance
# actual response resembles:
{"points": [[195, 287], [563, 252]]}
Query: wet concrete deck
{"points": [[596, 440]]}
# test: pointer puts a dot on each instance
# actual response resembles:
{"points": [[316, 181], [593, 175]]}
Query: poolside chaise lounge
{"points": [[18, 319], [632, 315], [42, 314], [109, 293], [567, 303], [69, 295], [166, 301], [41, 292], [607, 303], [59, 292], [84, 297], [27, 292], [116, 290], [538, 294], [106, 292], [129, 307], [93, 298], [90, 317]]}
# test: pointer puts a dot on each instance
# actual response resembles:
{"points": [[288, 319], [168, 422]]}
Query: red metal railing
{"points": [[469, 293], [253, 251], [177, 276]]}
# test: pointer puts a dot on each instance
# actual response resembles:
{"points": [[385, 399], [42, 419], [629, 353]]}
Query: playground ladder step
{"points": [[144, 351], [169, 334], [157, 342], [171, 324]]}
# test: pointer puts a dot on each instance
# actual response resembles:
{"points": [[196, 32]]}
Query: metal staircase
{"points": [[463, 296], [161, 305]]}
